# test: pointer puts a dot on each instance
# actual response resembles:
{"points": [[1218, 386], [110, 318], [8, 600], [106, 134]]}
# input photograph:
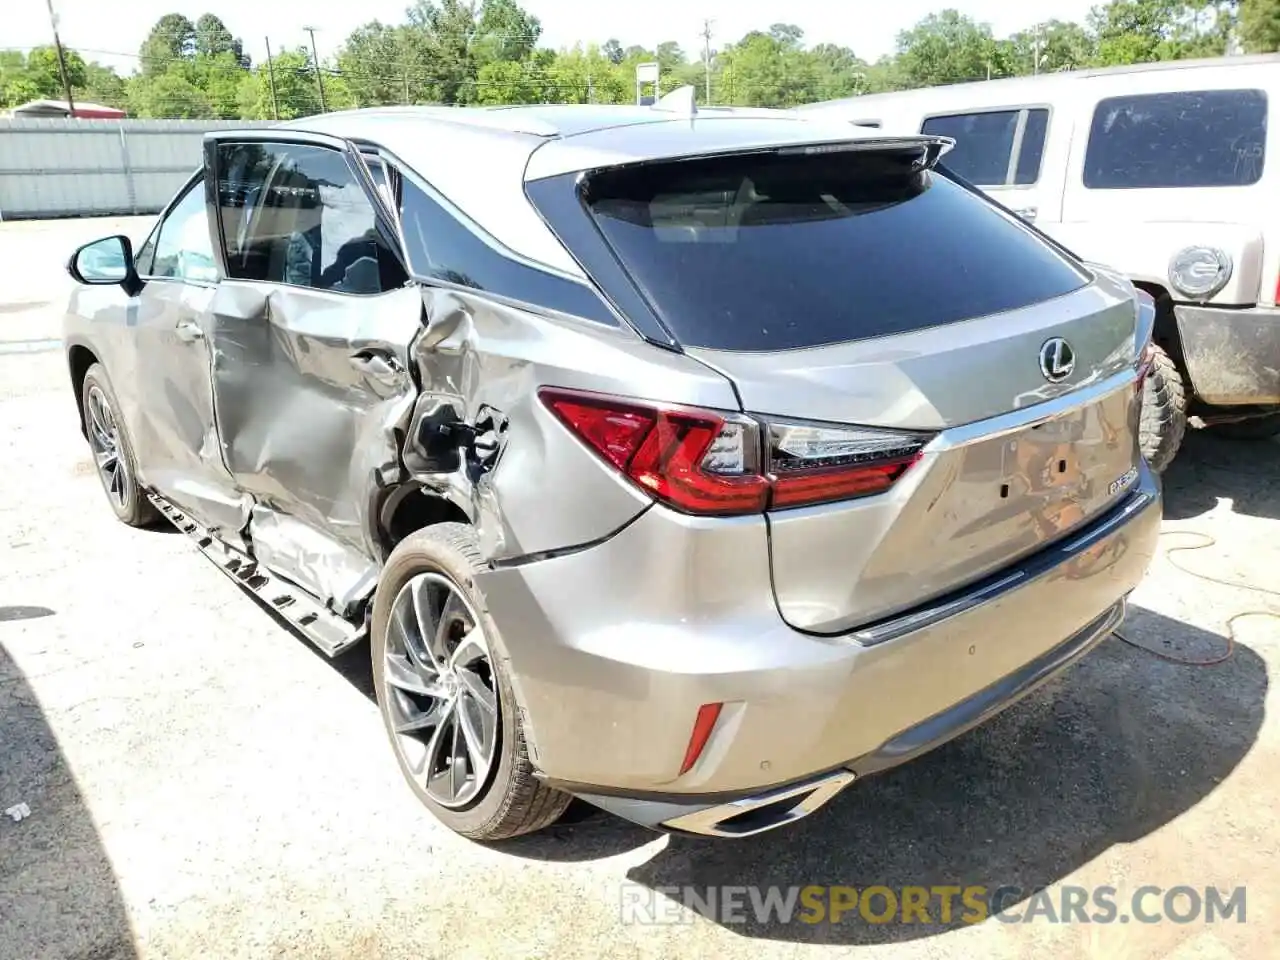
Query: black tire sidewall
{"points": [[429, 551], [135, 510], [1163, 422]]}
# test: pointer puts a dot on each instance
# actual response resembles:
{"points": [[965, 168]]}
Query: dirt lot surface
{"points": [[202, 784]]}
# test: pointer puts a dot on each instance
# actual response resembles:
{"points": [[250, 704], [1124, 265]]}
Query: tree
{"points": [[172, 38], [1260, 25], [296, 93], [103, 85], [168, 95], [949, 47], [213, 38], [612, 50], [837, 72], [504, 31], [1062, 46], [45, 75]]}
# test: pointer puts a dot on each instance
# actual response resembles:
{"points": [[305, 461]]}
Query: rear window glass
{"points": [[771, 252], [1206, 138]]}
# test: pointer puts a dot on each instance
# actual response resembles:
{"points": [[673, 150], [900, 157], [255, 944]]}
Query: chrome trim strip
{"points": [[1016, 420], [809, 796]]}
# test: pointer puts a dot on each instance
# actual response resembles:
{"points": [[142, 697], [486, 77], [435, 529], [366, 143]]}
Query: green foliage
{"points": [[43, 72], [486, 52], [1260, 25], [949, 47]]}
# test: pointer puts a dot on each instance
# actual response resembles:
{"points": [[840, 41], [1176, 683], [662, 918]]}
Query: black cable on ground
{"points": [[1208, 541]]}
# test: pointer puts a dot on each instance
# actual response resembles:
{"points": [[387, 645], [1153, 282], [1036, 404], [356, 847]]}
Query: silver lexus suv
{"points": [[697, 463]]}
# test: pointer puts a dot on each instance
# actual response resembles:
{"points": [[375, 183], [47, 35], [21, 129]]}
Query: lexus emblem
{"points": [[1057, 359]]}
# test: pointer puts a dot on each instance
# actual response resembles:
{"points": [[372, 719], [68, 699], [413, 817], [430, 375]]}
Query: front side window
{"points": [[786, 251], [1205, 138], [296, 214], [183, 250]]}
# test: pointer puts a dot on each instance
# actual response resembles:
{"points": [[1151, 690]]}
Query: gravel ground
{"points": [[202, 784]]}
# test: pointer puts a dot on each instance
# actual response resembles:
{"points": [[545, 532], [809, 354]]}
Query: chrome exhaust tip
{"points": [[766, 811]]}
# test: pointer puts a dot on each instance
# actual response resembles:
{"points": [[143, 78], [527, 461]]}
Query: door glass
{"points": [[296, 214], [984, 144], [183, 250], [1032, 152], [1206, 138]]}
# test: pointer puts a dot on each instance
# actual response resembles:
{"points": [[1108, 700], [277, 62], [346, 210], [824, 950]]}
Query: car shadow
{"points": [[1111, 751], [59, 897], [1210, 468]]}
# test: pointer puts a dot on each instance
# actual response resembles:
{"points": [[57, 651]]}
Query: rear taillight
{"points": [[706, 462]]}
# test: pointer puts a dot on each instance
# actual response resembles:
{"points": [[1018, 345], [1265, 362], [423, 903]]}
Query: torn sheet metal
{"points": [[481, 363], [310, 389], [321, 565]]}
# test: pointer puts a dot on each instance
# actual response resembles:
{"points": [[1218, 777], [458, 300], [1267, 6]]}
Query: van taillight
{"points": [[719, 464]]}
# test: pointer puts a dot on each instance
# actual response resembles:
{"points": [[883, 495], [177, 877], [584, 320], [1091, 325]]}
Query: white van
{"points": [[1168, 172]]}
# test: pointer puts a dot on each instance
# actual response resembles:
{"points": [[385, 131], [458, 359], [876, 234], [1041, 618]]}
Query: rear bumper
{"points": [[1232, 355], [746, 816], [614, 648]]}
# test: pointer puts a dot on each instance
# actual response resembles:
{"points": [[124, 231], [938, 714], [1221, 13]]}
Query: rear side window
{"points": [[296, 214], [772, 252], [1206, 138], [986, 141]]}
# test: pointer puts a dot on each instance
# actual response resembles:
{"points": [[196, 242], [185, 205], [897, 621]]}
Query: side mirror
{"points": [[106, 262]]}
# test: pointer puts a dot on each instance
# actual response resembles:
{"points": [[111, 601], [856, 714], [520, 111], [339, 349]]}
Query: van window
{"points": [[1205, 138], [1033, 136], [985, 143]]}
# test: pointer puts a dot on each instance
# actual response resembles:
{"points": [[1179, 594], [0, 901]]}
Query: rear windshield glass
{"points": [[770, 252], [1206, 138]]}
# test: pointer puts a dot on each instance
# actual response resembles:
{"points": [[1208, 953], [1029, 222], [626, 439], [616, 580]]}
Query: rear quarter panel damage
{"points": [[531, 487]]}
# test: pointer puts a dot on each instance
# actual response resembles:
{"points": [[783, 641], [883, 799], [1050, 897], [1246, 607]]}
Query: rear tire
{"points": [[114, 462], [1164, 412], [510, 799], [1256, 428]]}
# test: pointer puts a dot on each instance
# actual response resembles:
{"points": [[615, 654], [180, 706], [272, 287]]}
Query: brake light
{"points": [[705, 462]]}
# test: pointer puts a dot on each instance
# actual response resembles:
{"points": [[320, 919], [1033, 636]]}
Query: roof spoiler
{"points": [[931, 149]]}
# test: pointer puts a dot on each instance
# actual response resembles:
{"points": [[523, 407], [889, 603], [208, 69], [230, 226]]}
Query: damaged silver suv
{"points": [[695, 463]]}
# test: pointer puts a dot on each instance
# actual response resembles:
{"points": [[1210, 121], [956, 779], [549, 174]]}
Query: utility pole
{"points": [[1035, 67], [62, 60], [271, 78], [706, 53], [404, 73], [316, 59]]}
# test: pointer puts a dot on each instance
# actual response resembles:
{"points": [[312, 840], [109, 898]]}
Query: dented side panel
{"points": [[481, 364], [309, 388]]}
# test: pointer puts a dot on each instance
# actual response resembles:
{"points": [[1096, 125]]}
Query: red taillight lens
{"points": [[696, 460], [704, 462], [808, 487]]}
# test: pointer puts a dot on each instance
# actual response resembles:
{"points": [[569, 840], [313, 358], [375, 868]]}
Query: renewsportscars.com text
{"points": [[943, 904]]}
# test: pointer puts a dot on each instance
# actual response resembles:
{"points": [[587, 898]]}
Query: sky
{"points": [[111, 32]]}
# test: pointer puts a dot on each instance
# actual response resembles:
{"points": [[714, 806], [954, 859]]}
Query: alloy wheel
{"points": [[104, 441], [440, 691]]}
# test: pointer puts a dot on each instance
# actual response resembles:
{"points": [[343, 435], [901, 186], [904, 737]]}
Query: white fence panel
{"points": [[85, 168]]}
